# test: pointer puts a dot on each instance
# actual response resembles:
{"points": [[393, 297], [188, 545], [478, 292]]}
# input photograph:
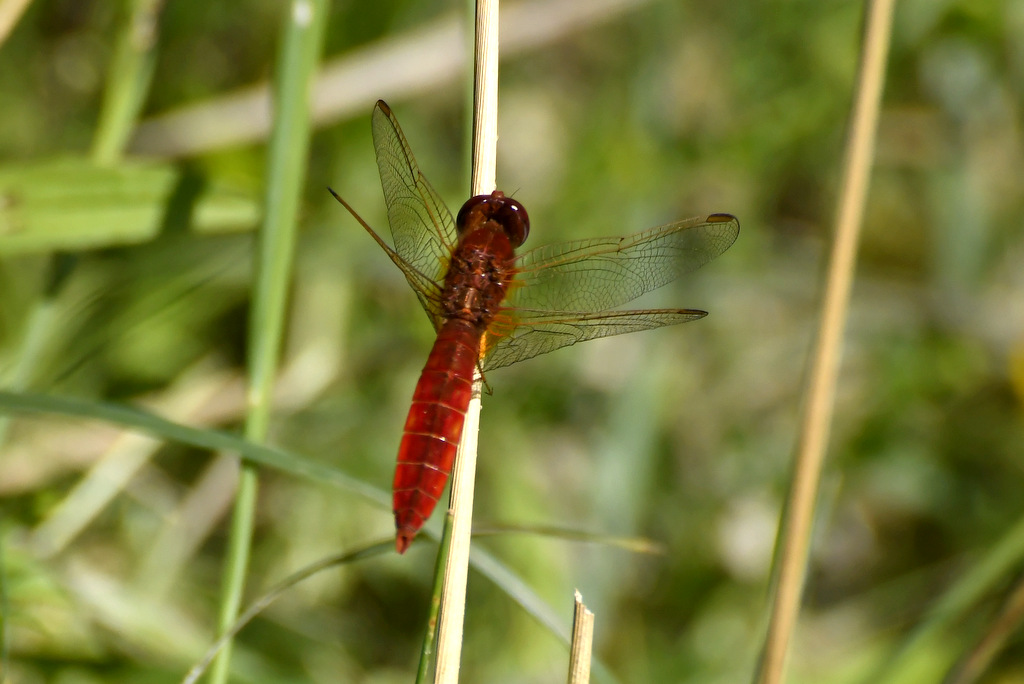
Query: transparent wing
{"points": [[548, 331], [427, 290], [562, 293], [421, 225], [603, 273]]}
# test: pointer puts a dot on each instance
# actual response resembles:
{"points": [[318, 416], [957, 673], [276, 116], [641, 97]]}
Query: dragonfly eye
{"points": [[471, 204], [505, 210], [512, 215]]}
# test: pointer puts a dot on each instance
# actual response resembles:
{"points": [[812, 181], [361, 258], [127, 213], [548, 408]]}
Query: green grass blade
{"points": [[129, 77], [631, 544], [213, 440], [74, 203], [289, 143], [430, 633], [985, 577]]}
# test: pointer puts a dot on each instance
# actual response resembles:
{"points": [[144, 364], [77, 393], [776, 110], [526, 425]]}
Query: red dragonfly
{"points": [[492, 307]]}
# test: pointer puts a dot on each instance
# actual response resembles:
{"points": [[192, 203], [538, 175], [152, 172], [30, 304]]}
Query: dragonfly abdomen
{"points": [[433, 427]]}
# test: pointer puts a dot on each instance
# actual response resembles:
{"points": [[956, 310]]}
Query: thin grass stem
{"points": [[430, 635], [796, 525], [131, 71], [456, 560], [289, 144], [259, 605], [995, 639], [485, 139]]}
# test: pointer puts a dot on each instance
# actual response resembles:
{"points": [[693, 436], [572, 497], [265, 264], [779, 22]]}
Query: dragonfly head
{"points": [[507, 212]]}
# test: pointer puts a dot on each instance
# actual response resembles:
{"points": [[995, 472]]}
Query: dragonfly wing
{"points": [[551, 330], [603, 273], [421, 225], [428, 291]]}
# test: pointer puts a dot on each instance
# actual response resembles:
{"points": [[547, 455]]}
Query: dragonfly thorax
{"points": [[478, 275]]}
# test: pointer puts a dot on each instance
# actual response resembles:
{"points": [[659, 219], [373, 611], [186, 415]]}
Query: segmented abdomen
{"points": [[434, 427]]}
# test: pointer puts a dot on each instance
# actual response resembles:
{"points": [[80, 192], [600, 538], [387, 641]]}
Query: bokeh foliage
{"points": [[683, 435]]}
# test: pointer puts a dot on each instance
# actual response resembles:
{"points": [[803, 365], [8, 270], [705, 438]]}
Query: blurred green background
{"points": [[624, 117]]}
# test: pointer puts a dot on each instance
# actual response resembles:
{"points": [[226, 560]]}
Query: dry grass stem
{"points": [[485, 99], [10, 12], [796, 527], [995, 639], [582, 642], [456, 568], [485, 142]]}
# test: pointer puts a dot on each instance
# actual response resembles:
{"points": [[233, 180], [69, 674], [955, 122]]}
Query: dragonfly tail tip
{"points": [[403, 539]]}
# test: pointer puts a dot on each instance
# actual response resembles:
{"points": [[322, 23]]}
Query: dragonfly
{"points": [[493, 306]]}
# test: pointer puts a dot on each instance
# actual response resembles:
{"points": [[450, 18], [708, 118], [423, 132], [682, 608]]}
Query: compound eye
{"points": [[513, 217], [470, 204], [506, 211]]}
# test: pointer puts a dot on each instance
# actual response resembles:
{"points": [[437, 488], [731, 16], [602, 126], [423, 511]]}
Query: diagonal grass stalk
{"points": [[797, 522], [300, 50], [993, 642], [986, 577], [10, 12], [259, 605]]}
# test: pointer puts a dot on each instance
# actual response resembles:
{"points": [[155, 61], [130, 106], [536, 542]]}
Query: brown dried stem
{"points": [[582, 642], [795, 532], [485, 139]]}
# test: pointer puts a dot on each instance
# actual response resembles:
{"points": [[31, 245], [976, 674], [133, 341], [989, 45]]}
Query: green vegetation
{"points": [[126, 271]]}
